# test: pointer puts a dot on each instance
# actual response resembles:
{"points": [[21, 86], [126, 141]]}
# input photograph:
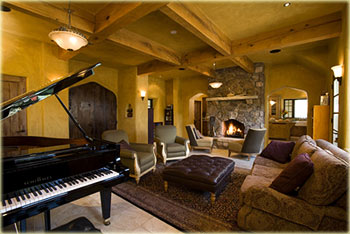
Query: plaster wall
{"points": [[157, 92], [296, 76], [339, 54], [189, 88], [141, 110], [37, 62]]}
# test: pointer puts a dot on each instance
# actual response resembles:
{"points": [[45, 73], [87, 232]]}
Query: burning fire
{"points": [[232, 130]]}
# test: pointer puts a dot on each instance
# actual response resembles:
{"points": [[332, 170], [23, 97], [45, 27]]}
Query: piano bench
{"points": [[80, 224]]}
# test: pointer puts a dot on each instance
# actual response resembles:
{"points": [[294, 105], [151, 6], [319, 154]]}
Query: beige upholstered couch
{"points": [[321, 203]]}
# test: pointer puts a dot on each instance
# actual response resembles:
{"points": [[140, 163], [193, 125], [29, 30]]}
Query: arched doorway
{"points": [[95, 109], [197, 110], [287, 113]]}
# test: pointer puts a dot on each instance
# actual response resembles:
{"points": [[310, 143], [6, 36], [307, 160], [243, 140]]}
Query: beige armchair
{"points": [[140, 160], [170, 146], [196, 142]]}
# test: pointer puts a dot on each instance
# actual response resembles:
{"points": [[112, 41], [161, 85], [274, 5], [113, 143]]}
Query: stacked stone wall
{"points": [[236, 81]]}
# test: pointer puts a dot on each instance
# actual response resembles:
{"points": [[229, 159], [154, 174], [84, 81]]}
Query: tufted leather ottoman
{"points": [[200, 172]]}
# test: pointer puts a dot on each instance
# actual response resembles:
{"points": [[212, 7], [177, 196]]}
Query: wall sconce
{"points": [[143, 94], [338, 72], [272, 102]]}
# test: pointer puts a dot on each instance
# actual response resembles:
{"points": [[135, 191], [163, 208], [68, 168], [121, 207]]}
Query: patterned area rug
{"points": [[185, 209]]}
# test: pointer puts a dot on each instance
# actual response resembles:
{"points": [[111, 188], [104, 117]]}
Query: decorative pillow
{"points": [[294, 175], [328, 182], [199, 134], [125, 145], [300, 141], [278, 151]]}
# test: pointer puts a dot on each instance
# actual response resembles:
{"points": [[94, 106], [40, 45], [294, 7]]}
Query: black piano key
{"points": [[58, 184], [22, 194], [48, 187], [52, 186], [42, 186], [26, 193], [33, 191], [16, 195], [3, 203], [37, 188], [9, 201]]}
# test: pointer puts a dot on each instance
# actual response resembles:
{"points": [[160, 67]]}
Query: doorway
{"points": [[94, 107], [198, 115], [12, 86]]}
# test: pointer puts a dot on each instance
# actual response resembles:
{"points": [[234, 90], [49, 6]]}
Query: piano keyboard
{"points": [[39, 193]]}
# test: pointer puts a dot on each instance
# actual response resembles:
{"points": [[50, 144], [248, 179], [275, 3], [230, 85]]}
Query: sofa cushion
{"points": [[307, 148], [125, 145], [278, 151], [175, 147], [299, 142], [268, 172], [252, 180], [268, 162], [294, 175], [328, 182]]}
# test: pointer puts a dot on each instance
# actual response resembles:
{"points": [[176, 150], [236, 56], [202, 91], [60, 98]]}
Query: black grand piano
{"points": [[41, 173]]}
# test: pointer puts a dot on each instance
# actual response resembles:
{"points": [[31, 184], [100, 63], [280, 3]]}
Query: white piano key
{"points": [[46, 195]]}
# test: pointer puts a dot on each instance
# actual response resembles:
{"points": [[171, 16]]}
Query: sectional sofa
{"points": [[319, 205]]}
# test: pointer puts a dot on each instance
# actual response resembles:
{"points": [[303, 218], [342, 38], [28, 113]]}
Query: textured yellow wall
{"points": [[157, 92], [189, 88], [141, 110], [296, 76], [37, 62]]}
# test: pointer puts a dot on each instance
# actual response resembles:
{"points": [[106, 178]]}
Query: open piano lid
{"points": [[21, 102]]}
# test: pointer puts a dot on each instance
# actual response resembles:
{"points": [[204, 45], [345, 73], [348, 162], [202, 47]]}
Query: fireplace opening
{"points": [[233, 128]]}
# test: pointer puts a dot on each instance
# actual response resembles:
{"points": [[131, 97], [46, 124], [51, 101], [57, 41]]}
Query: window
{"points": [[150, 103], [335, 119], [295, 108]]}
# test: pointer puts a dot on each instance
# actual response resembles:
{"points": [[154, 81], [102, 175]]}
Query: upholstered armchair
{"points": [[196, 141], [252, 144], [170, 146], [139, 158]]}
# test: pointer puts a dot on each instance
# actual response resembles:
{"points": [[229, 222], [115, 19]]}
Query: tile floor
{"points": [[125, 217]]}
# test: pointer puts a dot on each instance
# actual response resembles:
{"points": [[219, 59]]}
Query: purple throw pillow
{"points": [[125, 145], [278, 151], [294, 175]]}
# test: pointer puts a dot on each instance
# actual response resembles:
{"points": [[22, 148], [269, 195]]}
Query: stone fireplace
{"points": [[240, 98], [233, 128]]}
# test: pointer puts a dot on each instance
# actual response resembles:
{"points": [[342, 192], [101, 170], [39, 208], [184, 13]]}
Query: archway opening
{"points": [[287, 113]]}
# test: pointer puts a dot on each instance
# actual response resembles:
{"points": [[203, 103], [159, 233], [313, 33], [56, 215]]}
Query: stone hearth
{"points": [[237, 82]]}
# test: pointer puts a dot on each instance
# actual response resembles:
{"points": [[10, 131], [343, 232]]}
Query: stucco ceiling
{"points": [[235, 19]]}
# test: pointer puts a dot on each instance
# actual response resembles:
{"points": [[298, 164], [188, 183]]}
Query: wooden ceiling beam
{"points": [[244, 62], [51, 12], [317, 29], [154, 66], [195, 21], [145, 46], [117, 15]]}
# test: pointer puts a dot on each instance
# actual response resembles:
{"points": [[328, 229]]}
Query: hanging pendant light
{"points": [[68, 38], [215, 84]]}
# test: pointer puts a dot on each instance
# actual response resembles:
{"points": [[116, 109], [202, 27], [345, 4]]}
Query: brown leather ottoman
{"points": [[200, 172]]}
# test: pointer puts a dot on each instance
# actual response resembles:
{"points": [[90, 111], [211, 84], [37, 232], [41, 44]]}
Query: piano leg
{"points": [[23, 225], [47, 220], [105, 195]]}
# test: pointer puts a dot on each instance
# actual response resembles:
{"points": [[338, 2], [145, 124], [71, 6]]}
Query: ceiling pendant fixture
{"points": [[215, 85], [68, 38]]}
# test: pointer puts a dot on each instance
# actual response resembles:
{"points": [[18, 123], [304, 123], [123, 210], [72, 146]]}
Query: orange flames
{"points": [[232, 130]]}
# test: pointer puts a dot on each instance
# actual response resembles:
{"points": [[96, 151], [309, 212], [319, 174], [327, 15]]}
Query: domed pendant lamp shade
{"points": [[68, 38]]}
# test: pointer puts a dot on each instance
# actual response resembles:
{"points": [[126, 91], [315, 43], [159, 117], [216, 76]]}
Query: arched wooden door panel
{"points": [[94, 107]]}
